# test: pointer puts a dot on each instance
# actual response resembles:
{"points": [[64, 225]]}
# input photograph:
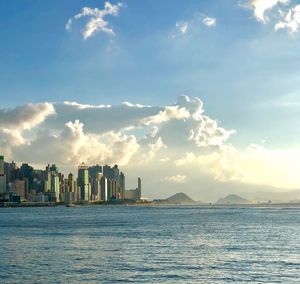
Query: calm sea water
{"points": [[99, 244]]}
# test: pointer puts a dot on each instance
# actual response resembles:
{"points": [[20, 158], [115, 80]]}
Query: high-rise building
{"points": [[2, 176], [71, 183], [55, 187], [96, 187], [94, 171], [103, 186], [95, 174], [122, 185], [83, 182], [10, 173], [26, 173], [134, 194], [139, 189], [114, 188], [52, 182], [19, 188]]}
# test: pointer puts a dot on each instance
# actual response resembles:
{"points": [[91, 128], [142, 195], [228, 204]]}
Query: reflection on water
{"points": [[97, 244]]}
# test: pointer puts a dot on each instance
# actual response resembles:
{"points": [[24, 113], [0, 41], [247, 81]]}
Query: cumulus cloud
{"points": [[13, 122], [150, 138], [127, 134], [185, 122], [154, 147], [73, 145], [169, 113], [253, 165], [209, 21], [96, 22], [176, 179], [291, 20], [261, 7], [25, 117]]}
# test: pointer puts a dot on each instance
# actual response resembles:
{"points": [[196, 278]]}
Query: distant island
{"points": [[178, 198], [233, 199]]}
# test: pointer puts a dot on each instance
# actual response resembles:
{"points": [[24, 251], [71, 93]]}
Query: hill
{"points": [[180, 198], [233, 199]]}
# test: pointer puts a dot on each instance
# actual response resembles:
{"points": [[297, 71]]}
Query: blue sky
{"points": [[233, 67], [244, 70]]}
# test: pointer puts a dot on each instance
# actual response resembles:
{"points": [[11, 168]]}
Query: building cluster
{"points": [[93, 183]]}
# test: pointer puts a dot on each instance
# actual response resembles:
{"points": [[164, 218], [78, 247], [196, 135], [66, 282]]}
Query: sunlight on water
{"points": [[149, 245]]}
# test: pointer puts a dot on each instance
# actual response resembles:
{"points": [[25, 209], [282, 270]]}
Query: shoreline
{"points": [[144, 204]]}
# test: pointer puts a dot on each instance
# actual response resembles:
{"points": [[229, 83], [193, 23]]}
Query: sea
{"points": [[150, 244]]}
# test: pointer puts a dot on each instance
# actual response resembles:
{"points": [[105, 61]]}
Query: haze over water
{"points": [[137, 244]]}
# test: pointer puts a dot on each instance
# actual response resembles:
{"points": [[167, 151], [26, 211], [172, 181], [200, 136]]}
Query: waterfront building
{"points": [[19, 188], [96, 187], [26, 173], [95, 174], [2, 176], [94, 171], [134, 194], [115, 182], [55, 187], [103, 189], [122, 185], [83, 182], [10, 173], [139, 189]]}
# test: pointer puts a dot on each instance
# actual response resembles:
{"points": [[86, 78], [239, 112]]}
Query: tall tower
{"points": [[139, 189], [83, 182], [122, 185], [103, 186], [55, 187], [2, 176], [71, 183]]}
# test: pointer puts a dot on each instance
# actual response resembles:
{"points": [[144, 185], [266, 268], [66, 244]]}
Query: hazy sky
{"points": [[195, 96]]}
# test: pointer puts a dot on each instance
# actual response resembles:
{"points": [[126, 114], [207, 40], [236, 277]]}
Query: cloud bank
{"points": [[158, 142]]}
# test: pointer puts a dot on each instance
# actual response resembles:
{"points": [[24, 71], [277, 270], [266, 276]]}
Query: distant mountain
{"points": [[233, 199], [180, 198]]}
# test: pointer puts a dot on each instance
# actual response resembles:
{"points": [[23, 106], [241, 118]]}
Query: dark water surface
{"points": [[100, 244]]}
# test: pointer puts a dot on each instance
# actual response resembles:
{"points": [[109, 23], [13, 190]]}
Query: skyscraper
{"points": [[55, 187], [52, 182], [103, 186], [83, 182], [122, 185], [2, 176]]}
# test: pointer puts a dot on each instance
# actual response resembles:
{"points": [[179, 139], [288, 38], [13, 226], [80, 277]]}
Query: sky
{"points": [[195, 96]]}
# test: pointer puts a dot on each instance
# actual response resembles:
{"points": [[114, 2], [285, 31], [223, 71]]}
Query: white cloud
{"points": [[25, 117], [261, 7], [169, 113], [291, 20], [207, 133], [153, 139], [254, 165], [180, 125], [128, 104], [182, 26], [72, 145], [154, 148], [176, 179], [209, 21], [14, 122], [96, 22], [85, 106]]}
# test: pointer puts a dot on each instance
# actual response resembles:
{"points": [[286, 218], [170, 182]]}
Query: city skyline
{"points": [[94, 183], [203, 101]]}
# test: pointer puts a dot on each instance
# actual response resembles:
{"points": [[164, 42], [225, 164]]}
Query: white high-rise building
{"points": [[55, 187]]}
